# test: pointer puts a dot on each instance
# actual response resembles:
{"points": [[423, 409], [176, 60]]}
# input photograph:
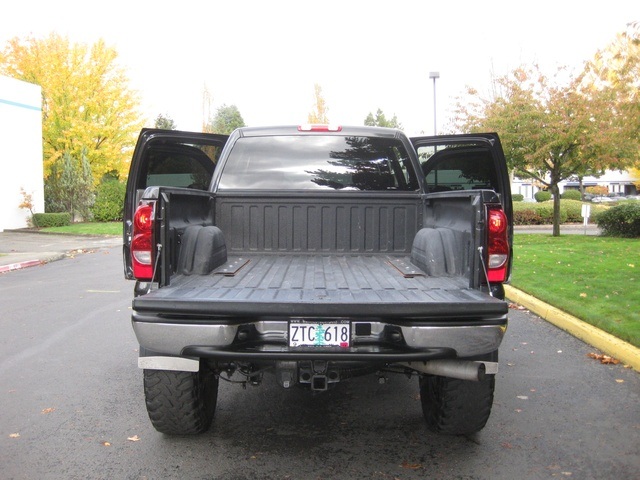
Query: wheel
{"points": [[456, 407], [181, 403]]}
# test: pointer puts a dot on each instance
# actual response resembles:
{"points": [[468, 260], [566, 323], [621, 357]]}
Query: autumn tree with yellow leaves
{"points": [[88, 109], [319, 114]]}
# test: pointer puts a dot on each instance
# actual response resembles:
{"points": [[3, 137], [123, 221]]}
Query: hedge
{"points": [[621, 221], [571, 195], [542, 213], [43, 220]]}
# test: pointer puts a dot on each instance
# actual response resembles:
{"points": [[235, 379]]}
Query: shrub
{"points": [[527, 217], [620, 221], [542, 213], [52, 219], [542, 196], [517, 197], [109, 203], [545, 210], [572, 209], [571, 195]]}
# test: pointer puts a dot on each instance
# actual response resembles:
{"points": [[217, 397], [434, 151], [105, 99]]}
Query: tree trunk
{"points": [[555, 191], [581, 187]]}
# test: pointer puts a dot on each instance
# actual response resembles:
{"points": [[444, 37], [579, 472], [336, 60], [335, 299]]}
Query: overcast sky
{"points": [[265, 56]]}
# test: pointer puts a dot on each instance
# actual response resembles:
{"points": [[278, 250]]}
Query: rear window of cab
{"points": [[318, 162]]}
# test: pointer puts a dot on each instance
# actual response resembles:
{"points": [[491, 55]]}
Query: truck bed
{"points": [[321, 286]]}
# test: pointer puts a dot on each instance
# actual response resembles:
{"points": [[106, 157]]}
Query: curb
{"points": [[612, 346], [44, 259], [20, 265]]}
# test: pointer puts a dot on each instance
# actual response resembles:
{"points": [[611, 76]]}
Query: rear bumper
{"points": [[266, 340]]}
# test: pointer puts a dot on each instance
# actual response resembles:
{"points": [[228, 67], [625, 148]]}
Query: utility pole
{"points": [[434, 76]]}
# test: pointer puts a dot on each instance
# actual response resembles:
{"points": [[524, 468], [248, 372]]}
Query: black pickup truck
{"points": [[313, 254]]}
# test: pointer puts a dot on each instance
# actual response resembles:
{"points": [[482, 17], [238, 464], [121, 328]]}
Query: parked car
{"points": [[603, 199]]}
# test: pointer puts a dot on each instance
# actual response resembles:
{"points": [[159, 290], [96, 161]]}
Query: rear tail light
{"points": [[142, 253], [497, 244]]}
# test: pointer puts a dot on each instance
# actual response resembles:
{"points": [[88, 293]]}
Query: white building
{"points": [[616, 182], [21, 154]]}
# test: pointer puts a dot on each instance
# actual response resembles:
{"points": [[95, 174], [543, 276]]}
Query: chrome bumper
{"points": [[173, 338]]}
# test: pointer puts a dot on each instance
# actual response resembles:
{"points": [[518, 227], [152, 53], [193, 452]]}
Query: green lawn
{"points": [[596, 279], [94, 228]]}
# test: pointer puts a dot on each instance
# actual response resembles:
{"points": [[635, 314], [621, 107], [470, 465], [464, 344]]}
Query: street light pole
{"points": [[434, 76]]}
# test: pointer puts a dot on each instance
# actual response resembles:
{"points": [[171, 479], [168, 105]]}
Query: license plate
{"points": [[319, 334]]}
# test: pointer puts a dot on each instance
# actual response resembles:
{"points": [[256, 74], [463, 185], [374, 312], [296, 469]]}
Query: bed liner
{"points": [[320, 285]]}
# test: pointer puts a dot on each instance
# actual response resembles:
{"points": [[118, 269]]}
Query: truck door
{"points": [[168, 158], [464, 162]]}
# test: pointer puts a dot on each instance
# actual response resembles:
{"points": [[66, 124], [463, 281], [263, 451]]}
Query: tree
{"points": [[165, 123], [551, 132], [615, 72], [88, 108], [380, 120], [69, 187], [319, 113], [635, 174], [226, 120]]}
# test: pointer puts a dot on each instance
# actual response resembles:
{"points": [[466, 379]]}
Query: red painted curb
{"points": [[20, 265]]}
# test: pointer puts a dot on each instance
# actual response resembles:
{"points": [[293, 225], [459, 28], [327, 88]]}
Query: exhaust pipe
{"points": [[460, 369]]}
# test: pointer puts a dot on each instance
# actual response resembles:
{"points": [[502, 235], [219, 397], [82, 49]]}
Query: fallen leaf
{"points": [[14, 435], [105, 444], [583, 295], [411, 466], [506, 445], [48, 410], [604, 359], [135, 438]]}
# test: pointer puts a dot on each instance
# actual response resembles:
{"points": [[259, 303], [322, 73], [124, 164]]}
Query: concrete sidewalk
{"points": [[565, 229], [21, 249]]}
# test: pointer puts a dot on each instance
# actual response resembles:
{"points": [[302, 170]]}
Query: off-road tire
{"points": [[181, 403], [456, 407]]}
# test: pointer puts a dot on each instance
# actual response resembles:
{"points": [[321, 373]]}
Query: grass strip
{"points": [[88, 228], [596, 279]]}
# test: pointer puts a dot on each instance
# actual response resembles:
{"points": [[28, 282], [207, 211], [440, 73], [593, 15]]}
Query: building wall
{"points": [[615, 181], [21, 151]]}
